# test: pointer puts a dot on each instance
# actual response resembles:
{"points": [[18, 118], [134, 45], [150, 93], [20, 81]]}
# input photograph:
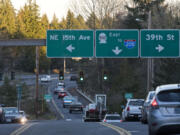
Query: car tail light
{"points": [[128, 109], [104, 120], [154, 104]]}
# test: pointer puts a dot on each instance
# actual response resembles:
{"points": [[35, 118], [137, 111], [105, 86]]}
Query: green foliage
{"points": [[8, 93], [93, 22]]}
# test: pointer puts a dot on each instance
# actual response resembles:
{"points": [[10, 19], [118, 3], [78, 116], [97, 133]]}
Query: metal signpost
{"points": [[117, 43], [19, 95], [69, 43], [159, 43]]}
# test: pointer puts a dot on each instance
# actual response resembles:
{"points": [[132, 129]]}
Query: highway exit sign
{"points": [[117, 43], [160, 43], [70, 43]]}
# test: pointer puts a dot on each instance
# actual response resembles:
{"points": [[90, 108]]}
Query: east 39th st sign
{"points": [[113, 43]]}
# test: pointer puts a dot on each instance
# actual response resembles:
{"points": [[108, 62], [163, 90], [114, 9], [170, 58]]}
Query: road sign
{"points": [[117, 43], [128, 95], [48, 96], [160, 43], [70, 43]]}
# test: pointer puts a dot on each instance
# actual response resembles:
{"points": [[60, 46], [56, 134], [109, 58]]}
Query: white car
{"points": [[58, 89], [61, 84], [112, 118], [46, 78], [133, 109]]}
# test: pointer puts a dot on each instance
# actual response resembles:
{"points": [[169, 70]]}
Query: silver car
{"points": [[145, 108], [164, 113]]}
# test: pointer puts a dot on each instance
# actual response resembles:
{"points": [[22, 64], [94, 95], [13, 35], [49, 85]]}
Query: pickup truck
{"points": [[76, 107], [133, 109]]}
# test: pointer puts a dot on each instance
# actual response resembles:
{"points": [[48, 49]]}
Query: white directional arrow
{"points": [[160, 48], [70, 48], [117, 50]]}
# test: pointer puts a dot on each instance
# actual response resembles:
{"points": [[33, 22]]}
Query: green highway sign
{"points": [[117, 43], [128, 95], [160, 43], [47, 97], [70, 43]]}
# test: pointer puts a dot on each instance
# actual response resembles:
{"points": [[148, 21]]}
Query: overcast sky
{"points": [[59, 7]]}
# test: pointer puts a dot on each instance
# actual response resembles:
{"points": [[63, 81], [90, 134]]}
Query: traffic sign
{"points": [[160, 43], [70, 43], [19, 91], [128, 95], [117, 43], [47, 97]]}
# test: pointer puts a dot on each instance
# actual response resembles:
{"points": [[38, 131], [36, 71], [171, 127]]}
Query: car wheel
{"points": [[70, 111], [63, 106]]}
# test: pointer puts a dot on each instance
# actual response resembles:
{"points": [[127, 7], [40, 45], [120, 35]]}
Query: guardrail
{"points": [[85, 96]]}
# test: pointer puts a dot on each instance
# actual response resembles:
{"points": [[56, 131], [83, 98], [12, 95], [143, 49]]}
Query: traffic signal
{"points": [[105, 75], [12, 75], [81, 76], [61, 75]]}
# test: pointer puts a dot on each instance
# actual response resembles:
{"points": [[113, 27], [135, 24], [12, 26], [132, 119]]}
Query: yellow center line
{"points": [[121, 131], [22, 129]]}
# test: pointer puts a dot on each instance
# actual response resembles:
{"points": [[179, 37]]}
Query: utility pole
{"points": [[37, 81], [64, 66], [150, 62]]}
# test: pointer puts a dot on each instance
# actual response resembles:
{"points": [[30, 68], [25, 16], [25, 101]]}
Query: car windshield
{"points": [[136, 103], [169, 96], [11, 111], [113, 118]]}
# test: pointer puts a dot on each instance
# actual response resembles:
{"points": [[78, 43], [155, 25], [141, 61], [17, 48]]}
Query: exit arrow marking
{"points": [[160, 48], [70, 48], [117, 50]]}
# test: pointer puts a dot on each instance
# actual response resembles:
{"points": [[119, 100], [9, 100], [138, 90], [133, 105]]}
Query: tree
{"points": [[82, 22], [54, 23], [71, 21], [93, 22]]}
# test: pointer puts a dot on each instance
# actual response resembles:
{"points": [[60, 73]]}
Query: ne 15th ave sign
{"points": [[117, 43], [70, 43], [160, 43]]}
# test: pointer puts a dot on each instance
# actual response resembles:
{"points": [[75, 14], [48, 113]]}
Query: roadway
{"points": [[72, 124]]}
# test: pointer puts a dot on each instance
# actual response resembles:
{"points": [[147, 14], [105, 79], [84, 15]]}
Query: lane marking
{"points": [[58, 110], [22, 129], [121, 131]]}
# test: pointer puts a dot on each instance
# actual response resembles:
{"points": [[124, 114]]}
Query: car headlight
{"points": [[23, 120]]}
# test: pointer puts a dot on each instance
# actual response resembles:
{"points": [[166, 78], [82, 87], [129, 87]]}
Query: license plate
{"points": [[8, 120]]}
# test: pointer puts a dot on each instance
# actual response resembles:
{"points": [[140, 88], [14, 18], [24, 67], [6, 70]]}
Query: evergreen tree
{"points": [[71, 21], [93, 22], [55, 23], [82, 22]]}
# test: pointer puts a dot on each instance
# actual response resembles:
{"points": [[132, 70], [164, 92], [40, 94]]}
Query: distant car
{"points": [[62, 94], [76, 107], [61, 84], [46, 78], [112, 118], [133, 109], [23, 117], [73, 78], [67, 101], [2, 115], [164, 113], [146, 106], [58, 89], [12, 115]]}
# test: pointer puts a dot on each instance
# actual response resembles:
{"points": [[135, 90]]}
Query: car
{"points": [[58, 89], [76, 107], [145, 107], [112, 118], [62, 94], [12, 115], [73, 78], [23, 117], [133, 109], [61, 84], [164, 112], [46, 78], [2, 115], [67, 101]]}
